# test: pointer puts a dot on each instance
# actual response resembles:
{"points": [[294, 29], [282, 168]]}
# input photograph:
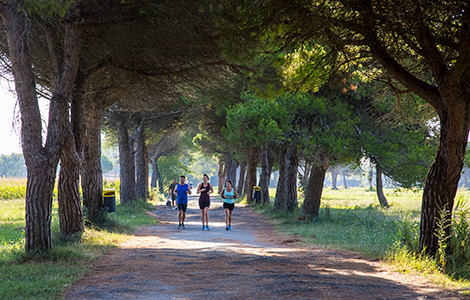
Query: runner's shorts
{"points": [[229, 206], [204, 204], [182, 206]]}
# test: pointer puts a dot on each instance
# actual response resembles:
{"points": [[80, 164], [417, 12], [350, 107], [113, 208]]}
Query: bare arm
{"points": [[199, 188]]}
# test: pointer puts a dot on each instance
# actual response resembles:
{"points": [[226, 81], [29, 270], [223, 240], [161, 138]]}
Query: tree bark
{"points": [[334, 178], [344, 179], [311, 206], [222, 173], [142, 176], [292, 165], [155, 173], [250, 183], [380, 192], [231, 169], [308, 166], [241, 179], [281, 192], [264, 177], [71, 218], [91, 173], [444, 174], [41, 161], [127, 163]]}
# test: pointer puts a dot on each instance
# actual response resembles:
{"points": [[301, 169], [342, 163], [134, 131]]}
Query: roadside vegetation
{"points": [[47, 275], [352, 219]]}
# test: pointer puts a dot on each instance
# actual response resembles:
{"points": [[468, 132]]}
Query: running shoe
{"points": [[226, 227], [182, 226], [179, 226], [229, 227], [207, 227], [203, 228]]}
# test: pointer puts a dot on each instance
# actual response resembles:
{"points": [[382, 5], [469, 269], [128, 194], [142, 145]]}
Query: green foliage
{"points": [[49, 7], [106, 164], [256, 121], [12, 166], [173, 167]]}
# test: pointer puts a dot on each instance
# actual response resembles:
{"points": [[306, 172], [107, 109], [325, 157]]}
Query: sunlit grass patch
{"points": [[12, 188]]}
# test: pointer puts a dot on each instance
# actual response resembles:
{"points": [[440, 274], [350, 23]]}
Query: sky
{"points": [[9, 112]]}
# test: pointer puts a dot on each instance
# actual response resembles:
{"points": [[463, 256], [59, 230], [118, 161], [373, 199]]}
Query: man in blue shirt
{"points": [[182, 191]]}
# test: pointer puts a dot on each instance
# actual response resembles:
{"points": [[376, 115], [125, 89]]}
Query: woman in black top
{"points": [[205, 188]]}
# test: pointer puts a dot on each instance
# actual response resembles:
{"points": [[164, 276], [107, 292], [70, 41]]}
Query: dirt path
{"points": [[249, 262]]}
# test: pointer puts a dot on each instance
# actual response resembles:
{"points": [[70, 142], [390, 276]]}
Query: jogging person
{"points": [[182, 191], [205, 188], [229, 195], [171, 192]]}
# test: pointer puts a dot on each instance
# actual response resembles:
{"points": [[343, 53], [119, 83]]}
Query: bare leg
{"points": [[226, 217], [206, 213], [202, 216], [230, 217]]}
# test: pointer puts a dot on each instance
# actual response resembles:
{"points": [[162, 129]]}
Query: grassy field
{"points": [[46, 276]]}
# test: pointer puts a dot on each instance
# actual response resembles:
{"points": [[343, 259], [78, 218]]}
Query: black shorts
{"points": [[182, 206], [204, 204], [229, 206]]}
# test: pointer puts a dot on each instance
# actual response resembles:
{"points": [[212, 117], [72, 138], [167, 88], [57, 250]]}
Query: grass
{"points": [[352, 219], [46, 276], [12, 188]]}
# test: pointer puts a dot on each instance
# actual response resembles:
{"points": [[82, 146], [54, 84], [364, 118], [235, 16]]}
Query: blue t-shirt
{"points": [[229, 196], [182, 197]]}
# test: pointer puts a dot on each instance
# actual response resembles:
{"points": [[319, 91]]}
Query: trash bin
{"points": [[109, 196], [257, 192]]}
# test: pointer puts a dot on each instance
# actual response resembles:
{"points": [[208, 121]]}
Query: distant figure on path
{"points": [[229, 195], [171, 191], [182, 191], [205, 188]]}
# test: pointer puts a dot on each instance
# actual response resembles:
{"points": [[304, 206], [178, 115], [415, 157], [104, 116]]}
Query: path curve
{"points": [[250, 262]]}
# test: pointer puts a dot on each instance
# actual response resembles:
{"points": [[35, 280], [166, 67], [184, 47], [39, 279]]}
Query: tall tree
{"points": [[400, 35], [41, 159]]}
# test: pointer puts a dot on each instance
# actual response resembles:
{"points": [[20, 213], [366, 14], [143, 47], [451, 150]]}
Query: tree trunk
{"points": [[41, 161], [334, 178], [311, 206], [344, 179], [71, 217], [308, 166], [70, 206], [142, 176], [127, 163], [231, 170], [264, 178], [292, 165], [444, 174], [380, 192], [250, 183], [222, 172], [281, 192], [241, 179], [155, 173], [92, 174]]}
